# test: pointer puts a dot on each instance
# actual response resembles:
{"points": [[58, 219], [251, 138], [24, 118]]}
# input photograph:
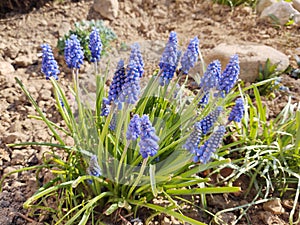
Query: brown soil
{"points": [[22, 34]]}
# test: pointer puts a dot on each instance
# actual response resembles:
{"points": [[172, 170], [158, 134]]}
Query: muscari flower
{"points": [[190, 57], [131, 87], [49, 64], [207, 122], [205, 151], [168, 61], [237, 111], [229, 76], [73, 52], [94, 168], [136, 56], [211, 76], [134, 128], [194, 139], [148, 143], [95, 45]]}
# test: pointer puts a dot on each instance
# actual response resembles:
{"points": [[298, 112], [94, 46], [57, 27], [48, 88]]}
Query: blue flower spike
{"points": [[49, 64], [94, 168], [204, 153], [95, 45], [237, 111], [136, 56], [131, 87], [134, 128], [149, 140], [194, 139], [207, 122], [211, 76], [190, 57], [169, 60], [73, 52], [229, 76]]}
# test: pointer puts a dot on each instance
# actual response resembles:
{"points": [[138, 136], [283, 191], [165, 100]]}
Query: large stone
{"points": [[107, 8], [262, 4], [6, 68], [296, 4], [250, 56], [282, 11]]}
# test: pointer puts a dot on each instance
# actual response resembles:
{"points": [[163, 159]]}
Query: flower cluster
{"points": [[134, 128], [73, 52], [95, 45], [211, 76], [49, 64], [190, 57], [142, 127], [205, 151], [207, 122], [237, 111], [169, 60], [149, 141], [194, 139], [229, 76]]}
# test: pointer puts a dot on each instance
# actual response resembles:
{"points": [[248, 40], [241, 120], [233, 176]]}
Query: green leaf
{"points": [[207, 190], [112, 208]]}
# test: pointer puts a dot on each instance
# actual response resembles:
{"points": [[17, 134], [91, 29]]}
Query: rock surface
{"points": [[262, 4], [250, 56], [6, 68], [282, 11], [274, 206], [107, 8]]}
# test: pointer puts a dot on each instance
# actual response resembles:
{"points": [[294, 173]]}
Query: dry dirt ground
{"points": [[22, 34]]}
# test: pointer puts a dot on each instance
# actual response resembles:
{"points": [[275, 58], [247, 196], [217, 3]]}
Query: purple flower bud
{"points": [[49, 64], [190, 57], [149, 141], [134, 128], [229, 76], [204, 100], [194, 139], [136, 56], [237, 111], [95, 45], [203, 154], [73, 52], [207, 122], [168, 61], [211, 76], [94, 168]]}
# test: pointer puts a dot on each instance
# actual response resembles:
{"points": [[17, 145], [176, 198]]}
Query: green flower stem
{"points": [[143, 167], [121, 161]]}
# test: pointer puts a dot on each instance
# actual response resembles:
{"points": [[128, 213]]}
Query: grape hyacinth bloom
{"points": [[94, 168], [95, 45], [194, 139], [211, 76], [229, 76], [205, 151], [115, 87], [237, 111], [134, 128], [149, 141], [136, 56], [49, 64], [131, 87], [169, 60], [207, 122], [190, 57], [73, 52]]}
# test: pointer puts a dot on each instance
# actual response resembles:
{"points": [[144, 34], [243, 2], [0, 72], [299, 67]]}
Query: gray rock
{"points": [[262, 4], [250, 56], [296, 5], [107, 8], [6, 68], [282, 11]]}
